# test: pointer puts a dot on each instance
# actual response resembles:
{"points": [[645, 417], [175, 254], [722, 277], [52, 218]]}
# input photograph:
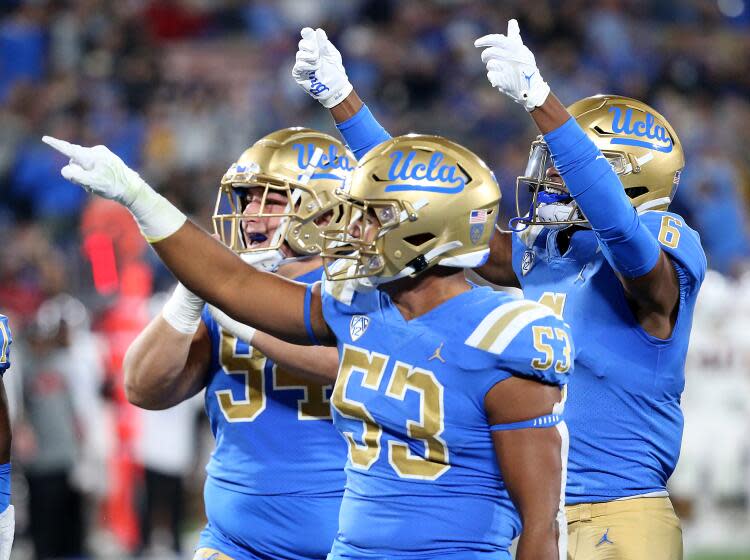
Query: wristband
{"points": [[157, 218], [240, 330], [183, 310]]}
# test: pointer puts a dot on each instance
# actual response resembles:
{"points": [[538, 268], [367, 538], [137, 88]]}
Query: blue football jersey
{"points": [[276, 477], [623, 409], [422, 476]]}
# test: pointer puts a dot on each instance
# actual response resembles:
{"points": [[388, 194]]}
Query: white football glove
{"points": [[512, 69], [319, 69], [101, 172], [7, 530], [240, 330], [183, 310]]}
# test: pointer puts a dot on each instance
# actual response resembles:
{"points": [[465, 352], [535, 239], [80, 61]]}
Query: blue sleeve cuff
{"points": [[362, 132], [545, 421], [308, 321], [4, 486]]}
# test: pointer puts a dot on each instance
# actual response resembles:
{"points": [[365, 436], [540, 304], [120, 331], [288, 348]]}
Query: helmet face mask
{"points": [[305, 167], [638, 143], [357, 239], [551, 205], [414, 202]]}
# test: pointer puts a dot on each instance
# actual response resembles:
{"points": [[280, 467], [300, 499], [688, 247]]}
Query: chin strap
{"points": [[271, 260]]}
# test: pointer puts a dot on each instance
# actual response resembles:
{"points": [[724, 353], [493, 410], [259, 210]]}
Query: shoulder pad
{"points": [[529, 340]]}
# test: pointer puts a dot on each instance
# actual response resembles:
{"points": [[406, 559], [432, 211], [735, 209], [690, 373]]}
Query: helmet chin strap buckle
{"points": [[418, 264]]}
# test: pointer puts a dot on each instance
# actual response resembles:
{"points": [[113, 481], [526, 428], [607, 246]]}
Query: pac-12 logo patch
{"points": [[527, 262], [358, 326]]}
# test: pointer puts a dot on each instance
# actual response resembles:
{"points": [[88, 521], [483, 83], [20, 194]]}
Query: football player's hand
{"points": [[240, 330], [5, 341], [7, 530], [512, 69], [318, 69], [99, 171]]}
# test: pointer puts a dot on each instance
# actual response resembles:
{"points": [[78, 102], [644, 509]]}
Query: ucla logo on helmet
{"points": [[329, 163], [648, 133], [406, 174]]}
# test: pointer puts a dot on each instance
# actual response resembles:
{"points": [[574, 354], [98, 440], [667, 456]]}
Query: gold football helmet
{"points": [[414, 202], [640, 145], [304, 165]]}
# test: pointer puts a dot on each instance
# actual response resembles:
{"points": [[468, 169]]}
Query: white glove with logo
{"points": [[319, 69], [512, 69], [183, 310], [7, 530], [101, 172]]}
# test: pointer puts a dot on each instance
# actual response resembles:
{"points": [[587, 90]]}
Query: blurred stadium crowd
{"points": [[178, 88]]}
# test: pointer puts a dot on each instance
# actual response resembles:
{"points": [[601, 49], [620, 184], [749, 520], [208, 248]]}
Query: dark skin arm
{"points": [[499, 266], [347, 108], [653, 297], [530, 460], [265, 301]]}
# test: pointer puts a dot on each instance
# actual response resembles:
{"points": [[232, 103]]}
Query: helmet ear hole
{"points": [[635, 192], [419, 239]]}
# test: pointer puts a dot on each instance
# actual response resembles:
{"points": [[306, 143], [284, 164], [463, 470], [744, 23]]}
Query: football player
{"points": [[601, 248], [7, 512], [610, 260], [275, 478], [449, 396]]}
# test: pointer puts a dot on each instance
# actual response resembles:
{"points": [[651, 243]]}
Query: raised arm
{"points": [[278, 306], [319, 70], [647, 275], [646, 272], [531, 461]]}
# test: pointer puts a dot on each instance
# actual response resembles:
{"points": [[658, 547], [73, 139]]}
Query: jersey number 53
{"points": [[372, 365]]}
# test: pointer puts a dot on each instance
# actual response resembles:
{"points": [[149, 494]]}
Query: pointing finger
{"points": [[513, 29], [73, 151]]}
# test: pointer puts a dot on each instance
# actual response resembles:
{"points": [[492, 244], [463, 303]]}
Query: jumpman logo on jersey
{"points": [[605, 538], [436, 354], [580, 276]]}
